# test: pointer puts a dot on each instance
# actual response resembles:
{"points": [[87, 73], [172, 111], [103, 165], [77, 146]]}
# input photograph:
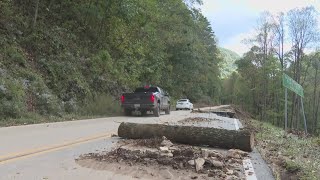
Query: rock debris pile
{"points": [[162, 152]]}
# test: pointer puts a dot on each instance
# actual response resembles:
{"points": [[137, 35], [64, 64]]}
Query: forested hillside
{"points": [[228, 65], [77, 56], [258, 86]]}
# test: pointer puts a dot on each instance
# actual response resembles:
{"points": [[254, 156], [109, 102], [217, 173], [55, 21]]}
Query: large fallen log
{"points": [[192, 135]]}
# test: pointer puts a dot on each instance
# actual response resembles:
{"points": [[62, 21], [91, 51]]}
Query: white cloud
{"points": [[236, 43], [256, 6], [275, 6], [236, 9]]}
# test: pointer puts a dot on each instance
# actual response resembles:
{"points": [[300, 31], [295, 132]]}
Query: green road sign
{"points": [[291, 84]]}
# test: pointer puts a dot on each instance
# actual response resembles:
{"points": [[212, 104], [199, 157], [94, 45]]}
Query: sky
{"points": [[235, 20]]}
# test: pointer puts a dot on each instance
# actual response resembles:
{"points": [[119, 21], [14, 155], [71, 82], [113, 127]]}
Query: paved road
{"points": [[47, 151]]}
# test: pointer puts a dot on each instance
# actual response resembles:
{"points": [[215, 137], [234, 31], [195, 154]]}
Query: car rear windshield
{"points": [[151, 89], [183, 100]]}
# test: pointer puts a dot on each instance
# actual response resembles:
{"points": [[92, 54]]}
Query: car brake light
{"points": [[152, 98], [122, 98]]}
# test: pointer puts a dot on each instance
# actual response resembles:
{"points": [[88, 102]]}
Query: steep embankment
{"points": [[76, 57]]}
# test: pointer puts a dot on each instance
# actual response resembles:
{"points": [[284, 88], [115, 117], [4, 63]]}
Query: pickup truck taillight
{"points": [[152, 98], [122, 98]]}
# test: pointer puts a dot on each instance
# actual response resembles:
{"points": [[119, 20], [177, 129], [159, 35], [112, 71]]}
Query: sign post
{"points": [[291, 84], [286, 110], [304, 117]]}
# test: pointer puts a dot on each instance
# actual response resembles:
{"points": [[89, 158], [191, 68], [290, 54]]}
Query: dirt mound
{"points": [[240, 113], [159, 153]]}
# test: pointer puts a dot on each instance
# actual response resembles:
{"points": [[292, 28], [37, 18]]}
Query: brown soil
{"points": [[240, 113]]}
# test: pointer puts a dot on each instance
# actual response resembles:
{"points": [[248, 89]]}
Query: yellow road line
{"points": [[14, 156]]}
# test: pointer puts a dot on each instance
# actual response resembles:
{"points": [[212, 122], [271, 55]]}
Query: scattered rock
{"points": [[239, 152], [204, 153], [205, 161], [236, 173], [191, 162], [232, 154], [199, 163], [211, 174], [223, 175], [235, 161], [229, 172], [114, 135], [164, 149], [215, 163], [166, 154], [166, 174], [215, 154], [173, 148], [231, 178], [166, 142]]}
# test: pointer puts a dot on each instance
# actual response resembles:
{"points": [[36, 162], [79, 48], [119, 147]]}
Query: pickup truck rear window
{"points": [[151, 89], [183, 100]]}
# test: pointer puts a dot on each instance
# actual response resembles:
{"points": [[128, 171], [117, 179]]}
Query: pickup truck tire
{"points": [[156, 111], [167, 111], [127, 112]]}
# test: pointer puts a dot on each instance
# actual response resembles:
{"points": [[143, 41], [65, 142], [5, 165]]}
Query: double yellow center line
{"points": [[32, 152]]}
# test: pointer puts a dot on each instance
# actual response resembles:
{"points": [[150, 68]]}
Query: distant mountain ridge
{"points": [[228, 64]]}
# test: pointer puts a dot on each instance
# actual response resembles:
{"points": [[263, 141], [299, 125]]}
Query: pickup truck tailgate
{"points": [[137, 98]]}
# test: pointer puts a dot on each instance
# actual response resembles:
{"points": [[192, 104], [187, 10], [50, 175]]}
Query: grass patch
{"points": [[292, 166], [101, 105], [297, 156]]}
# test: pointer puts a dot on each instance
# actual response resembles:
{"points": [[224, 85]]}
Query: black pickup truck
{"points": [[145, 99]]}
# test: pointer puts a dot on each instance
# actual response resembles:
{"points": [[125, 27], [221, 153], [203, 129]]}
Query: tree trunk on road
{"points": [[192, 135]]}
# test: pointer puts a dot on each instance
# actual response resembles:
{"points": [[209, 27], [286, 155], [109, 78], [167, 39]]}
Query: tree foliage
{"points": [[259, 78], [56, 54]]}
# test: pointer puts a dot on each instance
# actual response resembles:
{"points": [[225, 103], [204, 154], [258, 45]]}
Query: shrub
{"points": [[100, 105], [292, 166], [12, 98], [15, 56]]}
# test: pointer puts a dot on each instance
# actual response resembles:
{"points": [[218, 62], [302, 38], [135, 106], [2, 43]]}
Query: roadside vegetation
{"points": [[257, 84], [290, 155], [257, 87], [74, 58]]}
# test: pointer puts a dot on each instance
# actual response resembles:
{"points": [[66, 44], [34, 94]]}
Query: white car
{"points": [[184, 104]]}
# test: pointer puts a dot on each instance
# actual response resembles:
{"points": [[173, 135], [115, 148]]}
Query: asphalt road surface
{"points": [[48, 151]]}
